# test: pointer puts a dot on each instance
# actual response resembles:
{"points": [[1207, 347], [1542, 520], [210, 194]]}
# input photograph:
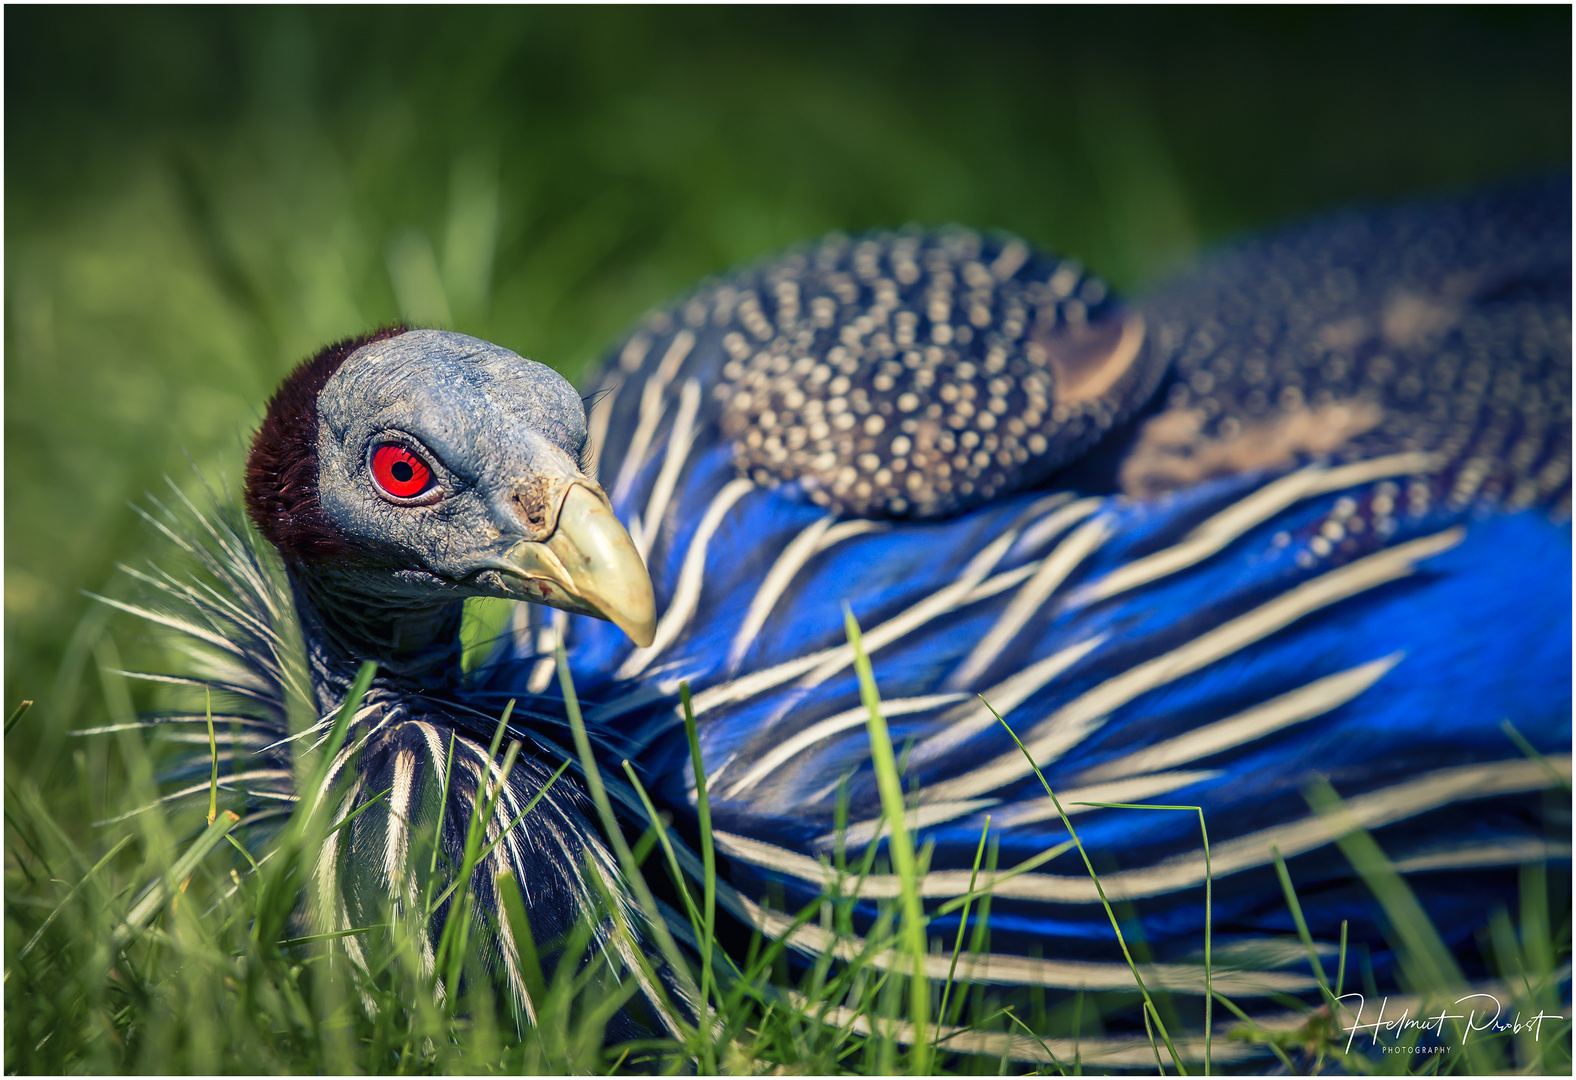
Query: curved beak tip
{"points": [[641, 633], [595, 564]]}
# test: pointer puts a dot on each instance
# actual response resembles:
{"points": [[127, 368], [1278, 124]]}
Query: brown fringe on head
{"points": [[281, 471]]}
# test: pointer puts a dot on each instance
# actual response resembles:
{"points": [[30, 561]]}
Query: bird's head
{"points": [[421, 465]]}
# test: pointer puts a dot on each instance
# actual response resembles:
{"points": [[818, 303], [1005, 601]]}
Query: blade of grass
{"points": [[452, 943], [708, 856], [1508, 961], [182, 869], [247, 854], [443, 805], [1340, 973], [899, 844], [674, 866], [524, 944], [1033, 862], [1267, 1038], [483, 808], [502, 833], [615, 837], [331, 935], [213, 755], [1209, 901], [336, 737], [1056, 1061], [1430, 958], [635, 956], [1537, 942], [276, 894], [963, 922], [76, 888], [1078, 1003], [1532, 752], [1423, 955], [1295, 905], [979, 938], [1149, 1004], [345, 821], [1160, 1069]]}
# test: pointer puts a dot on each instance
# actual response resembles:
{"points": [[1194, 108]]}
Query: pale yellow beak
{"points": [[587, 565]]}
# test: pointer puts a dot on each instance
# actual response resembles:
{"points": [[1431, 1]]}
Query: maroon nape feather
{"points": [[281, 471]]}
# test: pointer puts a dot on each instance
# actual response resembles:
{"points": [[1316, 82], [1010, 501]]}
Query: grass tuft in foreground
{"points": [[172, 942]]}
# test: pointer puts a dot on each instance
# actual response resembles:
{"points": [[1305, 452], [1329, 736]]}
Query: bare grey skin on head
{"points": [[897, 381], [399, 474], [498, 502]]}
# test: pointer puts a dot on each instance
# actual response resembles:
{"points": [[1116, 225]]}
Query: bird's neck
{"points": [[347, 619]]}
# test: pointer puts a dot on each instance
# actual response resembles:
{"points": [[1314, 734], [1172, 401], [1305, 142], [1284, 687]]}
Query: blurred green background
{"points": [[198, 198]]}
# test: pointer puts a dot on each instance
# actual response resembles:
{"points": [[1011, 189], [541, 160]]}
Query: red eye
{"points": [[399, 472]]}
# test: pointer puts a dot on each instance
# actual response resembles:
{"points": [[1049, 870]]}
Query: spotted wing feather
{"points": [[1345, 612]]}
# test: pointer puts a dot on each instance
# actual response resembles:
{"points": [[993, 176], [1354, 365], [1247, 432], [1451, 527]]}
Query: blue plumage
{"points": [[1301, 515], [1427, 696], [1210, 645]]}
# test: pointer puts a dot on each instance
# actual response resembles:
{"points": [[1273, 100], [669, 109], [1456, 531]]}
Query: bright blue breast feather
{"points": [[1213, 648], [1225, 647]]}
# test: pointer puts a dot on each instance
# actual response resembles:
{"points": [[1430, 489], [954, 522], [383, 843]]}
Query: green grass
{"points": [[170, 943], [197, 199]]}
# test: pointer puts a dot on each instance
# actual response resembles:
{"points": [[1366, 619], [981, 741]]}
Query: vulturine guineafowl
{"points": [[1301, 513]]}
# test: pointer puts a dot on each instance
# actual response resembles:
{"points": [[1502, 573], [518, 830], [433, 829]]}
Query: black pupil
{"points": [[402, 471]]}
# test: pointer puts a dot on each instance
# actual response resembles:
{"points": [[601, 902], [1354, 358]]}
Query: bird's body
{"points": [[1303, 513], [1258, 602]]}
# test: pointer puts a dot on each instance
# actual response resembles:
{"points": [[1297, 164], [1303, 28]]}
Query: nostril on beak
{"points": [[535, 503], [532, 511]]}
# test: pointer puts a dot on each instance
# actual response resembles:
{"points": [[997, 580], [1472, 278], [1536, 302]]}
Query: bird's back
{"points": [[1312, 527]]}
